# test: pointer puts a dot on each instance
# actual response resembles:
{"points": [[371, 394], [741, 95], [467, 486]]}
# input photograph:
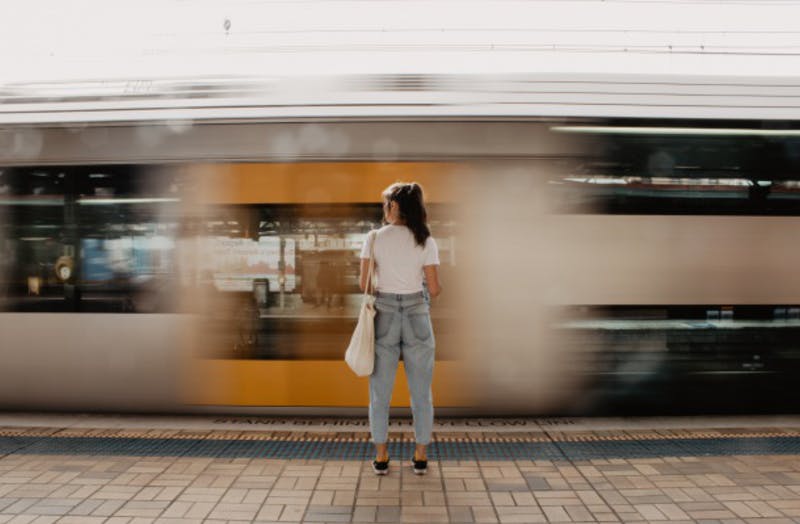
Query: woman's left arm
{"points": [[432, 278]]}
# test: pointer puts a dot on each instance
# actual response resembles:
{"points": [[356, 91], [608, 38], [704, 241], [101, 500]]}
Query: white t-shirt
{"points": [[399, 260]]}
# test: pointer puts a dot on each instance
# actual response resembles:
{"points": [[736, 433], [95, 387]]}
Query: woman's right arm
{"points": [[366, 254], [432, 278], [363, 274]]}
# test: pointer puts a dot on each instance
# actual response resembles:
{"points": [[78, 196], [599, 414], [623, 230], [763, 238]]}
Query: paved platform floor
{"points": [[90, 468]]}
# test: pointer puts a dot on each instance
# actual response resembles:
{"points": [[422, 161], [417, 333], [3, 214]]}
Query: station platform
{"points": [[87, 468]]}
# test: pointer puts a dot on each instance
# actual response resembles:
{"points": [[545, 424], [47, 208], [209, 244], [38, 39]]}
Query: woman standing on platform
{"points": [[405, 253]]}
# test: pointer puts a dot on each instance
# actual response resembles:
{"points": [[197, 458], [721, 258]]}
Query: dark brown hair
{"points": [[412, 208]]}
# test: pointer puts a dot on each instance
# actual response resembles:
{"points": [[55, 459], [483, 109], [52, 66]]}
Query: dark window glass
{"points": [[684, 175], [688, 359], [38, 250], [128, 226], [92, 239]]}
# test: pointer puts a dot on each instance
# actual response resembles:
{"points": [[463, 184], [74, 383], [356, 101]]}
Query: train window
{"points": [[128, 221], [695, 359], [283, 279], [37, 255], [90, 239], [689, 175]]}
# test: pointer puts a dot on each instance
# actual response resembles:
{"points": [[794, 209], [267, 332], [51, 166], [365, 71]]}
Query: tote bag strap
{"points": [[371, 270]]}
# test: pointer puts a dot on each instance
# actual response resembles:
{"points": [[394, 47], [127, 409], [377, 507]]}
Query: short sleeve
{"points": [[430, 253], [365, 248]]}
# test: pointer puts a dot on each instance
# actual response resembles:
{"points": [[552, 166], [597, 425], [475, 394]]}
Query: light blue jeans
{"points": [[402, 326]]}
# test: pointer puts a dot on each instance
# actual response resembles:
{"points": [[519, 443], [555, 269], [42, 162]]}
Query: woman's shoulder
{"points": [[387, 230], [376, 232], [430, 243], [380, 233]]}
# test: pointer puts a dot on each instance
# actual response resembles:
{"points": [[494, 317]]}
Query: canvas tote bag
{"points": [[360, 354]]}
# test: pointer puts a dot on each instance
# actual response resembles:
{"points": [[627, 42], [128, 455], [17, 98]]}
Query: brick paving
{"points": [[95, 488]]}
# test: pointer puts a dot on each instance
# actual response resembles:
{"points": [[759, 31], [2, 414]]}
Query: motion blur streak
{"points": [[508, 259], [521, 265]]}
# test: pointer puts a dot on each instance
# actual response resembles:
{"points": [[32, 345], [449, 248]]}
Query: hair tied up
{"points": [[412, 208]]}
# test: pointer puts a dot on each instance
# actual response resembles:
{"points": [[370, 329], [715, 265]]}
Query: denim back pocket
{"points": [[383, 319], [420, 319]]}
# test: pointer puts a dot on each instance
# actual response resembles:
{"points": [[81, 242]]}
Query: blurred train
{"points": [[202, 284], [617, 205]]}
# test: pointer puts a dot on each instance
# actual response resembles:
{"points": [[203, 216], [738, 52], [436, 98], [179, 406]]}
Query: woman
{"points": [[405, 253]]}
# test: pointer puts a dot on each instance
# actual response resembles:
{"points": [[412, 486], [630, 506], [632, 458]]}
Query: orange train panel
{"points": [[319, 182], [306, 383]]}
